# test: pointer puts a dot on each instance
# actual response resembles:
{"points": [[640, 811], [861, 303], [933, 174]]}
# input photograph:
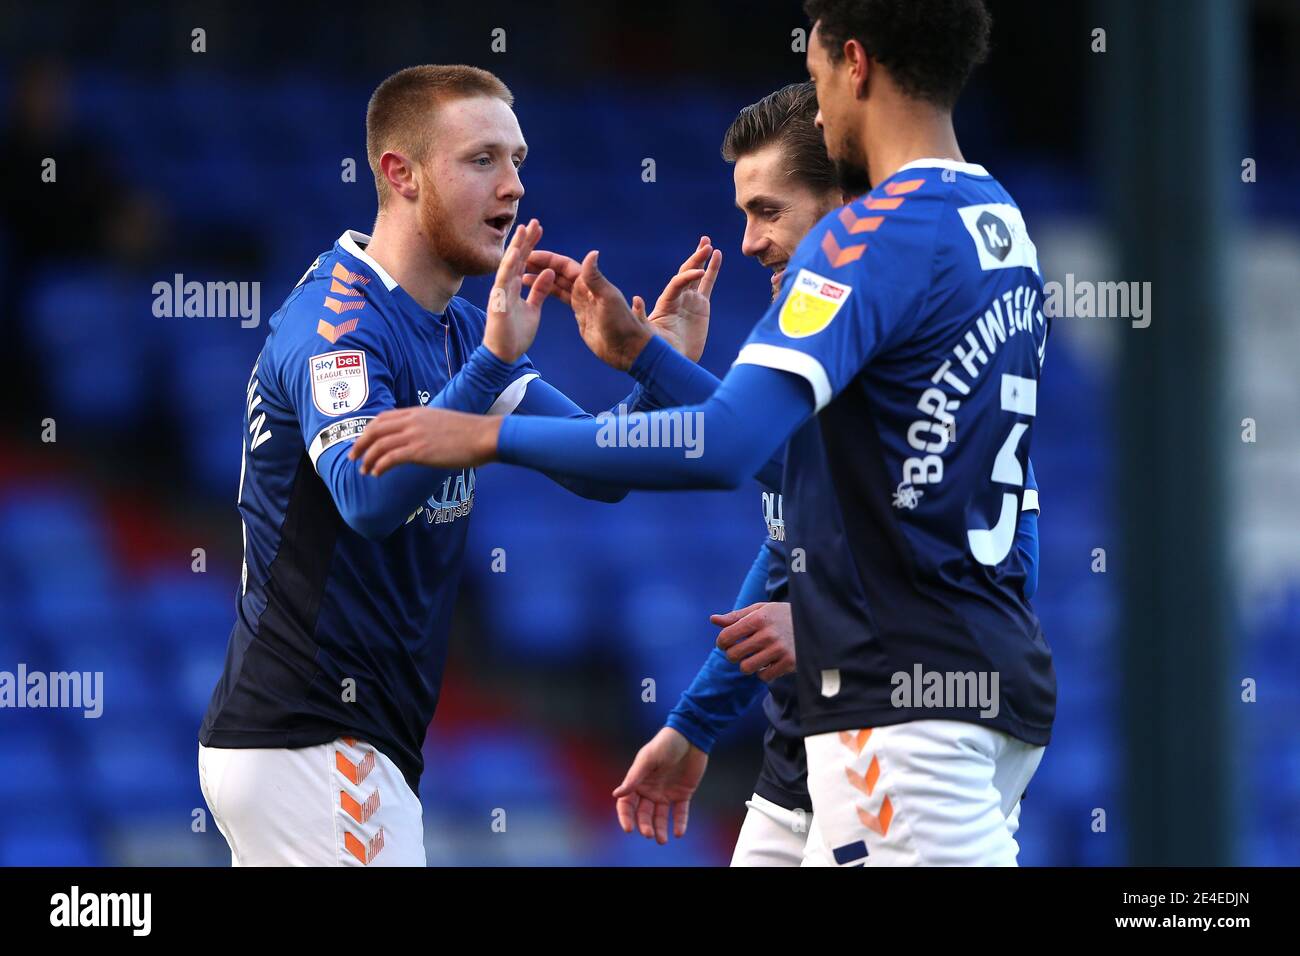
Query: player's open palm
{"points": [[511, 320], [663, 777], [681, 314]]}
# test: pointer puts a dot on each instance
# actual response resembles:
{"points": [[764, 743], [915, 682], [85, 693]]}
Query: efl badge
{"points": [[811, 304], [339, 383]]}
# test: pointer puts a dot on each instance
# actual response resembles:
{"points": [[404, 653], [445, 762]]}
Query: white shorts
{"points": [[922, 793], [337, 804], [772, 835]]}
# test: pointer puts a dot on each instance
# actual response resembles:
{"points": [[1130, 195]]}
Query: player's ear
{"points": [[859, 65], [400, 173]]}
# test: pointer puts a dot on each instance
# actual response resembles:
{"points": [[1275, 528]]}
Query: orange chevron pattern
{"points": [[856, 224], [355, 772], [907, 186], [338, 305], [886, 204], [866, 783], [855, 740], [878, 822], [361, 812], [339, 288], [365, 852], [355, 277], [841, 256], [334, 332]]}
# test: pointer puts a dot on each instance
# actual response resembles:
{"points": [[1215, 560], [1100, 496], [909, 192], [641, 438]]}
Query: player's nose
{"points": [[512, 188], [754, 241]]}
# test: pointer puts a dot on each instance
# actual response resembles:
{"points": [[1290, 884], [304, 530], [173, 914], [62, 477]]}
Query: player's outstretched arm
{"points": [[712, 445]]}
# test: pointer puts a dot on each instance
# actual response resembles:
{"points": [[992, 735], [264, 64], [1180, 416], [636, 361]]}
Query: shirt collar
{"points": [[354, 243], [970, 169]]}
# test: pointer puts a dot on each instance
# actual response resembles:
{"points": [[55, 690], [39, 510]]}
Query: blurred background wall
{"points": [[228, 165]]}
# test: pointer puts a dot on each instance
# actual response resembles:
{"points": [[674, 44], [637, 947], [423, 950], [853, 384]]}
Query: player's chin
{"points": [[484, 259]]}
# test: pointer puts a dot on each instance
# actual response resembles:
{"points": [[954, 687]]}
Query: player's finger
{"points": [[756, 662], [403, 450], [638, 307], [391, 437], [565, 267], [541, 289], [711, 273], [681, 812], [532, 234], [736, 632], [558, 288], [681, 282], [383, 424], [645, 818], [784, 664], [697, 258], [661, 823], [731, 617], [626, 809]]}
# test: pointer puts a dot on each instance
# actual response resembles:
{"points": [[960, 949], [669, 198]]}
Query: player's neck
{"points": [[908, 135], [405, 256]]}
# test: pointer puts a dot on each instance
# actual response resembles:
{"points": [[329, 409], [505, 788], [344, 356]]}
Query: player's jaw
{"points": [[840, 117], [469, 235]]}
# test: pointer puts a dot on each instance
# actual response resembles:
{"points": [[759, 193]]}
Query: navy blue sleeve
{"points": [[716, 444], [721, 691]]}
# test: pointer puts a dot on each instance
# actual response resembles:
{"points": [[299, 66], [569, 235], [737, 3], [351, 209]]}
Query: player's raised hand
{"points": [[760, 638], [426, 436], [664, 776], [512, 320], [681, 314], [611, 329]]}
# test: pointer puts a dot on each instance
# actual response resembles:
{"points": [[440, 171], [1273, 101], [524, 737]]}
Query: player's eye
{"points": [[518, 162], [484, 160]]}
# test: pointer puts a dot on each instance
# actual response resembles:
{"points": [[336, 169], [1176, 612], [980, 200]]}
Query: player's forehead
{"points": [[815, 58], [761, 174], [477, 122]]}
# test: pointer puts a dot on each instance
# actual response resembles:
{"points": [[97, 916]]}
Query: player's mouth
{"points": [[500, 224]]}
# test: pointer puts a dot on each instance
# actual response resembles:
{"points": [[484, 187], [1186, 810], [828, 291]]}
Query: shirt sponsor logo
{"points": [[339, 383], [1000, 237], [812, 303]]}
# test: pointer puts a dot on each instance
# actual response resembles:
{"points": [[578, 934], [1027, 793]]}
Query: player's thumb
{"points": [[591, 270], [630, 781]]}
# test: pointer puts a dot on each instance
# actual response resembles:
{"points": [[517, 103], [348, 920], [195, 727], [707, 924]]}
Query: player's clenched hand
{"points": [[681, 315], [664, 775], [511, 320], [760, 638], [426, 436]]}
